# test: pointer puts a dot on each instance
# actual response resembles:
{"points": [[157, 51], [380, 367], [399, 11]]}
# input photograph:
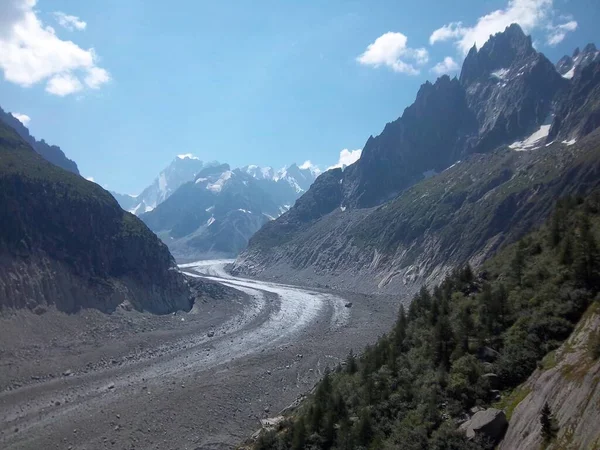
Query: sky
{"points": [[124, 86]]}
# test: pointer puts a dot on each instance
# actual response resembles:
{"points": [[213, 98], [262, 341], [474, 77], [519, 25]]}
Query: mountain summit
{"points": [[567, 66], [449, 180]]}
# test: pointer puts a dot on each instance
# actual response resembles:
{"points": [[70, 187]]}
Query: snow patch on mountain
{"points": [[532, 141], [500, 74], [217, 186]]}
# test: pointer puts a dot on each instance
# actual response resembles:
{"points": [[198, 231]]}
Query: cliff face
{"points": [[570, 384], [463, 214], [65, 241], [578, 109]]}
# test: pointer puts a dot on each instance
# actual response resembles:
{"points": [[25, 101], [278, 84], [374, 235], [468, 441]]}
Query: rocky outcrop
{"points": [[65, 241], [569, 66], [50, 153], [429, 137], [490, 425], [510, 87], [578, 109], [569, 381]]}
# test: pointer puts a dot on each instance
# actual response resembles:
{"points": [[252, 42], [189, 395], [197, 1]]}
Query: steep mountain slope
{"points": [[50, 153], [510, 87], [181, 170], [463, 214], [65, 241], [568, 381], [511, 119], [449, 374], [427, 138], [578, 109]]}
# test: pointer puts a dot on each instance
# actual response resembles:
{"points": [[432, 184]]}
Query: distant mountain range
{"points": [[209, 210], [181, 170], [472, 164]]}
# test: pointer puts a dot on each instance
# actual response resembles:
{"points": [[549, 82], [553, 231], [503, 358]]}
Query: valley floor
{"points": [[192, 380]]}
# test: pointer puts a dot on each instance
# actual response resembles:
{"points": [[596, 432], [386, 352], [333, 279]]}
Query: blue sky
{"points": [[245, 82]]}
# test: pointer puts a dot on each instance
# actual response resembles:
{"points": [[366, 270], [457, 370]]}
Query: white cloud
{"points": [[448, 65], [96, 77], [90, 179], [451, 31], [529, 14], [347, 157], [390, 50], [63, 84], [558, 32], [309, 165], [23, 118], [31, 53], [71, 23]]}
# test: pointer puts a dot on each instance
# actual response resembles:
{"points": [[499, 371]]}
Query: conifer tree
{"points": [[547, 422]]}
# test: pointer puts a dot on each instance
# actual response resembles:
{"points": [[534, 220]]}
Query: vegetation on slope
{"points": [[50, 212], [458, 346]]}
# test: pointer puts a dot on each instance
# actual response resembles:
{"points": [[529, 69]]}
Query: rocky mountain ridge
{"points": [[65, 242], [567, 66], [51, 153], [518, 150]]}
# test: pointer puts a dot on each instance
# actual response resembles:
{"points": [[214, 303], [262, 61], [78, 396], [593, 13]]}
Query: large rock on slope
{"points": [[50, 153], [65, 241], [571, 387], [490, 424]]}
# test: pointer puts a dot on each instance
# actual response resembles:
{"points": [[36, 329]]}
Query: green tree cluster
{"points": [[456, 346]]}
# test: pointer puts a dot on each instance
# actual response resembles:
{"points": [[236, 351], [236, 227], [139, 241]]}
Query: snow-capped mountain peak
{"points": [[181, 170], [187, 156], [298, 178]]}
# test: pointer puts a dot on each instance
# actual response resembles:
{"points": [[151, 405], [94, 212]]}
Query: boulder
{"points": [[487, 354], [492, 379], [490, 423]]}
